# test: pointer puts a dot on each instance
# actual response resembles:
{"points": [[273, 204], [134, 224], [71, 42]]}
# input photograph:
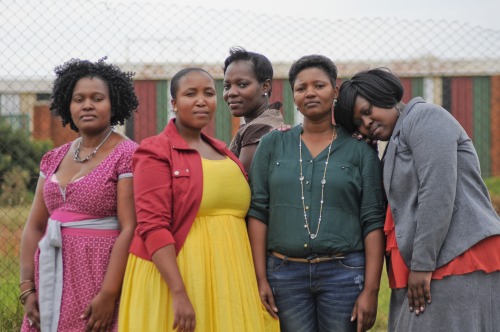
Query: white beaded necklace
{"points": [[76, 156], [323, 182]]}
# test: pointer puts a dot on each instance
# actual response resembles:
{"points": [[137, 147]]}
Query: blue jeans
{"points": [[316, 297]]}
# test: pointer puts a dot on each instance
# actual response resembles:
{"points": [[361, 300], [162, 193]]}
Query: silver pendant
{"points": [[313, 236]]}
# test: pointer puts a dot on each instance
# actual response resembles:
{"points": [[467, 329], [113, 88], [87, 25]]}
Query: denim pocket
{"points": [[274, 263], [353, 260]]}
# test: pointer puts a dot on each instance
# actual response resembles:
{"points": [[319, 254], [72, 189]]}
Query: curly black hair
{"points": [[121, 89], [313, 61]]}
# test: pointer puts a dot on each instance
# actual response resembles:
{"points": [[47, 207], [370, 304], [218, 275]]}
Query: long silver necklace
{"points": [[323, 182], [76, 156]]}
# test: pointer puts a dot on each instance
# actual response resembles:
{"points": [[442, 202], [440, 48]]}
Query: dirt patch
{"points": [[10, 241]]}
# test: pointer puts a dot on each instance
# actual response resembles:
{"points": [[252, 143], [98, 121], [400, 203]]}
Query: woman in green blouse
{"points": [[317, 213]]}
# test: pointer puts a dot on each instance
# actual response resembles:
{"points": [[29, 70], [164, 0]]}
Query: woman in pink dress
{"points": [[75, 242]]}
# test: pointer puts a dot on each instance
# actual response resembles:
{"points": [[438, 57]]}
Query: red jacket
{"points": [[168, 186]]}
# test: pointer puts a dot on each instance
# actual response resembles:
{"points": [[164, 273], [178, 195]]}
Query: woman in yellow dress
{"points": [[190, 265]]}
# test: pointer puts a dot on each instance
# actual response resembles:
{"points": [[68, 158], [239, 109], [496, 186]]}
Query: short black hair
{"points": [[174, 82], [378, 86], [262, 67], [313, 61], [120, 85]]}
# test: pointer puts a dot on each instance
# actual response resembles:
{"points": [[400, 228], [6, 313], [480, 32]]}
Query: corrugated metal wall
{"points": [[461, 102], [481, 122], [473, 101], [495, 121], [407, 86], [223, 118], [144, 121], [162, 105]]}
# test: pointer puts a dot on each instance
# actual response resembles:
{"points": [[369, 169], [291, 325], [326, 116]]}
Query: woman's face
{"points": [[195, 101], [90, 105], [313, 93], [374, 122], [242, 91]]}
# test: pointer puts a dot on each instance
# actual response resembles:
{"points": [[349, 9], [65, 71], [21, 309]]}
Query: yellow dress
{"points": [[215, 263]]}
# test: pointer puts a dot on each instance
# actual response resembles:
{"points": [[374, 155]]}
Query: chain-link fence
{"points": [[449, 63]]}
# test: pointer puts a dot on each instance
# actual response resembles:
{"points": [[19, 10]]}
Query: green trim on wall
{"points": [[223, 117], [288, 104], [417, 87], [481, 122], [161, 105]]}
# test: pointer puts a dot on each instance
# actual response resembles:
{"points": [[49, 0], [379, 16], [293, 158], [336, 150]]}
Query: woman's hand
{"points": [[282, 128], [267, 298], [369, 141], [365, 310], [100, 313], [419, 291], [32, 311], [184, 315]]}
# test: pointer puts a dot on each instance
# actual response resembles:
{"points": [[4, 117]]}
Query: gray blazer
{"points": [[440, 204]]}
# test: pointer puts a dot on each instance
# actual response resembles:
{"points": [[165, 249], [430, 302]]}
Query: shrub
{"points": [[14, 187], [19, 164]]}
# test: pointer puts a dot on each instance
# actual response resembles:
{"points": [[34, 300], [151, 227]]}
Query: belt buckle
{"points": [[313, 258]]}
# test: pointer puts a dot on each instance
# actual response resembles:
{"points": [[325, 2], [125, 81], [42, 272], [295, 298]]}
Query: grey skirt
{"points": [[469, 303]]}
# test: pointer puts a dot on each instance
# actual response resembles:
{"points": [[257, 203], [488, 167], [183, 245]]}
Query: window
{"points": [[10, 104]]}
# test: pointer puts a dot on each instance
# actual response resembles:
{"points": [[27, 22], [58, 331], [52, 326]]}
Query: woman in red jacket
{"points": [[190, 263]]}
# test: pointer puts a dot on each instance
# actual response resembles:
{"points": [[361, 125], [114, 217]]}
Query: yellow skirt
{"points": [[216, 266]]}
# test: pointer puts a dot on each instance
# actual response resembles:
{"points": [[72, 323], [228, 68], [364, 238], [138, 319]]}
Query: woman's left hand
{"points": [[282, 128], [419, 290], [100, 313], [365, 310], [359, 137]]}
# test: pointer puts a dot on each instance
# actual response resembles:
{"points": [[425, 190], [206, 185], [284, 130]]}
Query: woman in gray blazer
{"points": [[443, 240]]}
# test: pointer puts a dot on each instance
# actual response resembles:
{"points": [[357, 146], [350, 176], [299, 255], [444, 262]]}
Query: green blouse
{"points": [[353, 205]]}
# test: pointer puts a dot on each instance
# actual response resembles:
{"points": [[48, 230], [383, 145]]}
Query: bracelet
{"points": [[27, 291], [24, 295], [25, 281], [23, 300]]}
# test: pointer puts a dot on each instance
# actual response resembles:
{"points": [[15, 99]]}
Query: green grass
{"points": [[383, 304], [493, 185], [12, 222], [11, 311]]}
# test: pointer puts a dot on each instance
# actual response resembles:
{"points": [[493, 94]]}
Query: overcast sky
{"points": [[476, 12]]}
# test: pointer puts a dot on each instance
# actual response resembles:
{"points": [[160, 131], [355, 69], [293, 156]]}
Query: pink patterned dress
{"points": [[85, 252]]}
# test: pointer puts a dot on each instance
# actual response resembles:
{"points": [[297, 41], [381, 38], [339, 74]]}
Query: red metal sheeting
{"points": [[145, 117], [462, 102], [407, 86], [495, 121]]}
